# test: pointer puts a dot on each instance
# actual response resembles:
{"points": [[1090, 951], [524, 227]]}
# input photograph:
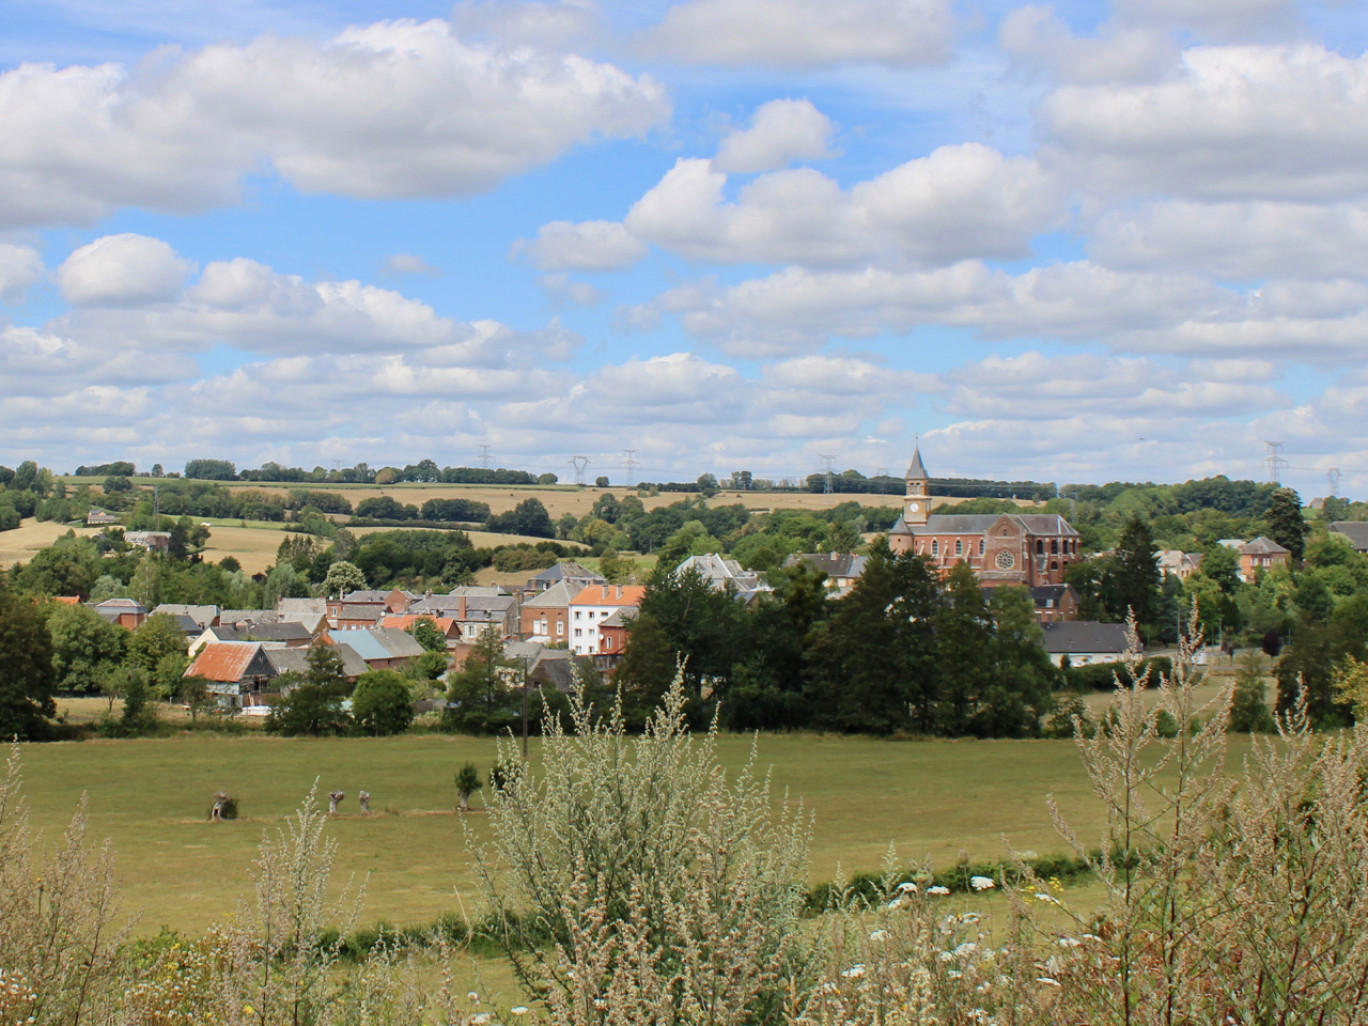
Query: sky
{"points": [[1074, 243]]}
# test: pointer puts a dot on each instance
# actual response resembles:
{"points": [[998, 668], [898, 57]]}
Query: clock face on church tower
{"points": [[912, 507]]}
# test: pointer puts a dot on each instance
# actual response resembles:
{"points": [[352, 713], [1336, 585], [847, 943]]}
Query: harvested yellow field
{"points": [[253, 547], [31, 536]]}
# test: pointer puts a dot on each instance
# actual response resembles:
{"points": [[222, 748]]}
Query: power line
{"points": [[629, 461], [1274, 461], [484, 456], [828, 461], [579, 463]]}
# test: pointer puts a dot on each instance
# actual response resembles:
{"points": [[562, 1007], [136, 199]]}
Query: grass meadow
{"points": [[151, 798]]}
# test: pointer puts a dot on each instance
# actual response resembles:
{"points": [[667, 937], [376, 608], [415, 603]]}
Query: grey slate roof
{"points": [[557, 596], [981, 523], [917, 470], [554, 666], [292, 607], [361, 612], [1077, 636], [1262, 546], [233, 616], [1355, 530], [567, 570], [202, 615], [833, 564], [286, 630], [296, 660]]}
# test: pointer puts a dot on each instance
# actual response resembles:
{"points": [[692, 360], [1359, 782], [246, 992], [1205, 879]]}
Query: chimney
{"points": [[460, 607]]}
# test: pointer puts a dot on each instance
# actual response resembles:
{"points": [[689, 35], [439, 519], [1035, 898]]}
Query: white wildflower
{"points": [[855, 972], [518, 1010], [879, 935], [1048, 898], [907, 887], [967, 948], [938, 890], [982, 883], [1069, 942], [1049, 981]]}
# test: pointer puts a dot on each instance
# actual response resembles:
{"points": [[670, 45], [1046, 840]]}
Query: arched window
{"points": [[1040, 547], [935, 547], [1054, 565], [1054, 545], [981, 545], [959, 546]]}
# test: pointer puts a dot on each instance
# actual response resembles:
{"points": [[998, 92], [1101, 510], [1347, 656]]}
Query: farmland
{"points": [[151, 798]]}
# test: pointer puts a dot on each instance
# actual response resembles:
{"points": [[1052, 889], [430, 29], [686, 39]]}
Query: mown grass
{"points": [[933, 799]]}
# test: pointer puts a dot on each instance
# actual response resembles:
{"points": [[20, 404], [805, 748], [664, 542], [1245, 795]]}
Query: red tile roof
{"points": [[223, 661], [610, 595]]}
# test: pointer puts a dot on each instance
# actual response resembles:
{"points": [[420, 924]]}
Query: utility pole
{"points": [[829, 462], [484, 456], [1274, 461], [579, 463], [1333, 478], [629, 461]]}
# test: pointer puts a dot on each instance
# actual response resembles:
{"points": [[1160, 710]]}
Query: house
{"points": [[1085, 642], [446, 626], [1177, 563], [1031, 549], [299, 608], [568, 572], [1355, 530], [842, 569], [475, 609], [543, 667], [1055, 602], [595, 604], [237, 672], [545, 618], [382, 648], [383, 602], [246, 617], [204, 616], [125, 612], [152, 541], [97, 517], [345, 615], [613, 634], [286, 634], [723, 574], [296, 661], [1257, 556]]}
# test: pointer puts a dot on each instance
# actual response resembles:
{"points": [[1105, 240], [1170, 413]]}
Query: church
{"points": [[1029, 549]]}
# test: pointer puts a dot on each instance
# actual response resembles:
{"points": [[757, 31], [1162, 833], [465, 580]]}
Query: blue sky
{"points": [[1071, 243]]}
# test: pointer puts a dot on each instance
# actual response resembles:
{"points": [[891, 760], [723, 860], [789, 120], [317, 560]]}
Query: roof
{"points": [[1262, 546], [477, 606], [296, 660], [554, 666], [558, 596], [298, 606], [311, 622], [1355, 530], [123, 605], [916, 470], [620, 617], [288, 630], [224, 661], [366, 595], [232, 616], [610, 595], [360, 612], [403, 621], [569, 570], [202, 615], [982, 523], [833, 564], [1068, 636], [379, 643]]}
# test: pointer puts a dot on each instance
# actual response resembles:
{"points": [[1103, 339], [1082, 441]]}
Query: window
{"points": [[982, 543], [560, 628], [541, 626], [1054, 545], [1040, 547], [591, 614], [579, 633], [959, 546], [579, 613], [607, 644], [935, 547]]}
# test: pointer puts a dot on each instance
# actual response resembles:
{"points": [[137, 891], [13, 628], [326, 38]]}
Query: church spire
{"points": [[917, 504]]}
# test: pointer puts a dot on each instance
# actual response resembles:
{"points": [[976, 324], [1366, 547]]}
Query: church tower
{"points": [[917, 505]]}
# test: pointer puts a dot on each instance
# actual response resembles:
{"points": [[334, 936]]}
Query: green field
{"points": [[151, 798]]}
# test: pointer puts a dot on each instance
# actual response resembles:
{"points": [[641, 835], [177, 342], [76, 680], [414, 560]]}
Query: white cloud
{"points": [[805, 33], [781, 131], [1222, 19], [20, 269], [1237, 122], [1239, 241], [122, 270], [586, 246], [958, 202], [399, 264], [1037, 38], [516, 23], [395, 109]]}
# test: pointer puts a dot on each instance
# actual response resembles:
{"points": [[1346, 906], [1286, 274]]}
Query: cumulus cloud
{"points": [[122, 270], [1236, 122], [1037, 38], [1237, 241], [20, 269], [960, 201], [394, 109], [586, 246], [781, 131], [517, 23], [805, 33]]}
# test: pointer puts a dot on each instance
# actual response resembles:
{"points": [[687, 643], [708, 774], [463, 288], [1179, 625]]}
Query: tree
{"points": [[381, 704], [426, 632], [1137, 571], [601, 481], [156, 638], [467, 783], [343, 578], [528, 517], [964, 649], [1021, 688], [86, 647], [313, 704], [482, 702], [707, 485], [283, 582], [27, 676], [1285, 523], [1249, 713]]}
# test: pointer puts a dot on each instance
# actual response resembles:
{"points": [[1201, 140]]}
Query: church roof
{"points": [[917, 471], [981, 523]]}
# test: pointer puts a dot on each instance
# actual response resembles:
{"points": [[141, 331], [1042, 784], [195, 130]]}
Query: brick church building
{"points": [[1030, 549]]}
